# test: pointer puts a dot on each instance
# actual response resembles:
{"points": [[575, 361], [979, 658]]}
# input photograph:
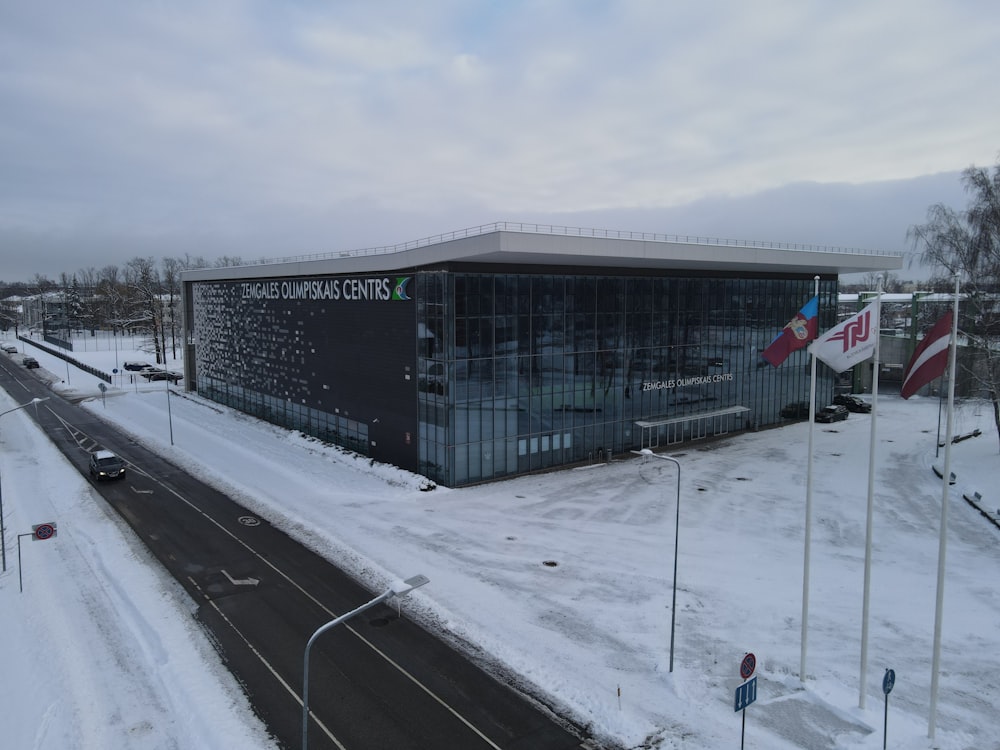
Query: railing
{"points": [[76, 363], [56, 341], [509, 226]]}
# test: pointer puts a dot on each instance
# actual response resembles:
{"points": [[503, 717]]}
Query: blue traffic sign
{"points": [[745, 694], [888, 681]]}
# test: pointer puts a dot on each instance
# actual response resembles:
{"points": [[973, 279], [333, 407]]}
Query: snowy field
{"points": [[562, 579]]}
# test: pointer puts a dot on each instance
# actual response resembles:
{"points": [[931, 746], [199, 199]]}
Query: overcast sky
{"points": [[279, 128]]}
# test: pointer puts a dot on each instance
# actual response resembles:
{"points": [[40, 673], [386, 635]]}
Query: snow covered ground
{"points": [[563, 579]]}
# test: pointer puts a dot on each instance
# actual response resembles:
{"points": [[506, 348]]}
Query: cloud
{"points": [[208, 122]]}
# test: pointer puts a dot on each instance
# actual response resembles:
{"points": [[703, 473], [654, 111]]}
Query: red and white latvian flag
{"points": [[930, 358], [850, 342]]}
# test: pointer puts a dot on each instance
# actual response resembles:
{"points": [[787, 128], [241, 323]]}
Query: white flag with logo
{"points": [[853, 341]]}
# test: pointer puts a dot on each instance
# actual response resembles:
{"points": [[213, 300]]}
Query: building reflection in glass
{"points": [[519, 372]]}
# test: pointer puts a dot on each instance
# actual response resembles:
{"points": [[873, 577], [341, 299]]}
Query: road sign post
{"points": [[40, 532], [888, 682], [747, 692]]}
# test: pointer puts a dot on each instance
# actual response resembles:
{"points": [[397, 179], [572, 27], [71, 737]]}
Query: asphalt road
{"points": [[375, 681]]}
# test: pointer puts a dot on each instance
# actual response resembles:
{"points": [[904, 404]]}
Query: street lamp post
{"points": [[3, 529], [170, 417], [646, 453], [399, 588]]}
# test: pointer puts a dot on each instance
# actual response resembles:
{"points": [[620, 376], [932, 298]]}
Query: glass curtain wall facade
{"points": [[521, 372]]}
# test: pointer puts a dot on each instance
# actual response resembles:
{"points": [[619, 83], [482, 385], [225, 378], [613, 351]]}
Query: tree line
{"points": [[141, 296]]}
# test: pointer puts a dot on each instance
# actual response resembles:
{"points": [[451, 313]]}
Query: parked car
{"points": [[30, 362], [853, 403], [106, 465], [10, 349], [152, 373], [832, 413], [136, 365], [797, 410]]}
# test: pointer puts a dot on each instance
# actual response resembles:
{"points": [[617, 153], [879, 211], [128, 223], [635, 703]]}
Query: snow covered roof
{"points": [[516, 244]]}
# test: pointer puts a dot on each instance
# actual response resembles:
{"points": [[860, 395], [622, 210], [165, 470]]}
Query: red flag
{"points": [[930, 358], [797, 332]]}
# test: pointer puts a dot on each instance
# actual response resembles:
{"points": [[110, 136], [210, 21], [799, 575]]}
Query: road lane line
{"points": [[412, 678], [265, 662]]}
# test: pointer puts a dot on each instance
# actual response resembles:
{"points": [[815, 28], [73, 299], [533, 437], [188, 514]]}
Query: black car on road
{"points": [[30, 362], [106, 465]]}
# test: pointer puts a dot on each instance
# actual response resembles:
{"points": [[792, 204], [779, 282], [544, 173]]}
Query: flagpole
{"points": [[943, 538], [808, 534], [871, 499], [937, 438]]}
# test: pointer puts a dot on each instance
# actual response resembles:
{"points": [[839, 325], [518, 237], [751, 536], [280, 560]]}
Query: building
{"points": [[512, 348]]}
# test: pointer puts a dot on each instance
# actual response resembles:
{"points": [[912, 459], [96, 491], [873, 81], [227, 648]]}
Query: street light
{"points": [[170, 417], [399, 588], [646, 453], [3, 530]]}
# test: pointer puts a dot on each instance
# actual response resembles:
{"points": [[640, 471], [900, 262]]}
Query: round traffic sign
{"points": [[44, 531], [747, 666], [888, 681]]}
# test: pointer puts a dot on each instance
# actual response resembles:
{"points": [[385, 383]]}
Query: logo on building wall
{"points": [[339, 288], [400, 291], [662, 385]]}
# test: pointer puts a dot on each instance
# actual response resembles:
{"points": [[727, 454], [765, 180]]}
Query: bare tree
{"points": [[111, 295], [87, 277], [40, 284], [967, 244], [144, 297], [172, 268], [194, 261], [8, 312], [91, 303]]}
